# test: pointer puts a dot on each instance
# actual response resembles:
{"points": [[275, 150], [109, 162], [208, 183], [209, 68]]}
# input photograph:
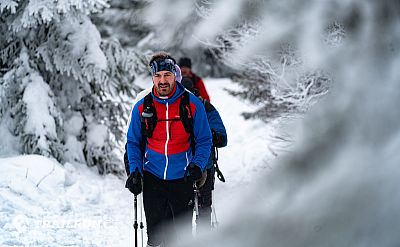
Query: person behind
{"points": [[159, 161], [186, 68], [219, 138]]}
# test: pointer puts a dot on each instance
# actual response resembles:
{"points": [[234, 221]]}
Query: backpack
{"points": [[149, 121]]}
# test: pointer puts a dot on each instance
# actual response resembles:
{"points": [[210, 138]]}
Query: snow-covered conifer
{"points": [[60, 82], [123, 21]]}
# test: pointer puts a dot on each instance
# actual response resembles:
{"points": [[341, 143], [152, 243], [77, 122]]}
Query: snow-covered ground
{"points": [[46, 204], [247, 150]]}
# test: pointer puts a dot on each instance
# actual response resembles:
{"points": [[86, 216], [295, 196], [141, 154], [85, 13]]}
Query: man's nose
{"points": [[163, 79]]}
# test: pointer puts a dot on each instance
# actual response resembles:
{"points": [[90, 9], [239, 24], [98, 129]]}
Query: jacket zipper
{"points": [[166, 143]]}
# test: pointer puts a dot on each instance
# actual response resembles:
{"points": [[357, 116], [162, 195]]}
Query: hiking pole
{"points": [[196, 202], [141, 218], [214, 220], [135, 224]]}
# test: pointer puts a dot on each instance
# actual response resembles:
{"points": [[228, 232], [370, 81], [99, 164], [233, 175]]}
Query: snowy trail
{"points": [[245, 155], [46, 204]]}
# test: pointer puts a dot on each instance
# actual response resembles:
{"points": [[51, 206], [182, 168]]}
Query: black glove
{"points": [[218, 139], [134, 183], [200, 183], [194, 172]]}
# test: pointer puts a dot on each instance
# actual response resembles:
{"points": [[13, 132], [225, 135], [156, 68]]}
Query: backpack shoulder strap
{"points": [[148, 102], [208, 106], [185, 112], [186, 115], [148, 119]]}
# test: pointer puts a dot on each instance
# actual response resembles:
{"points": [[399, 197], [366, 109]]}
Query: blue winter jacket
{"points": [[168, 152]]}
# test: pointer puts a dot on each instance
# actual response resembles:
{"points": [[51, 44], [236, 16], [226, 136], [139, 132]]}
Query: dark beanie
{"points": [[185, 62]]}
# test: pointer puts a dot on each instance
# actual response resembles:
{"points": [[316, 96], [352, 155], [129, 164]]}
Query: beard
{"points": [[164, 89]]}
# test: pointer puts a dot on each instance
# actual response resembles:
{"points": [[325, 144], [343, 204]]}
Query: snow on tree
{"points": [[166, 25], [123, 21], [279, 89], [29, 104], [53, 55], [279, 84]]}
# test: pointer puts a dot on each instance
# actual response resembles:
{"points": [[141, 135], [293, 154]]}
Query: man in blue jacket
{"points": [[219, 138], [162, 151]]}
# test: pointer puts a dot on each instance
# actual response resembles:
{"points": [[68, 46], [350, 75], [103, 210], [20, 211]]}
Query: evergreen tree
{"points": [[64, 92], [123, 21]]}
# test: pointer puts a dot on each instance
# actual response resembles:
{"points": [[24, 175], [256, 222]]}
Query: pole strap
{"points": [[220, 176]]}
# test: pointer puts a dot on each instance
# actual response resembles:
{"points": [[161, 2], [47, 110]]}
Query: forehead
{"points": [[163, 72]]}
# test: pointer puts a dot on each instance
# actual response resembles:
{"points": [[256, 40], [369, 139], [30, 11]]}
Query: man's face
{"points": [[164, 82], [186, 71]]}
